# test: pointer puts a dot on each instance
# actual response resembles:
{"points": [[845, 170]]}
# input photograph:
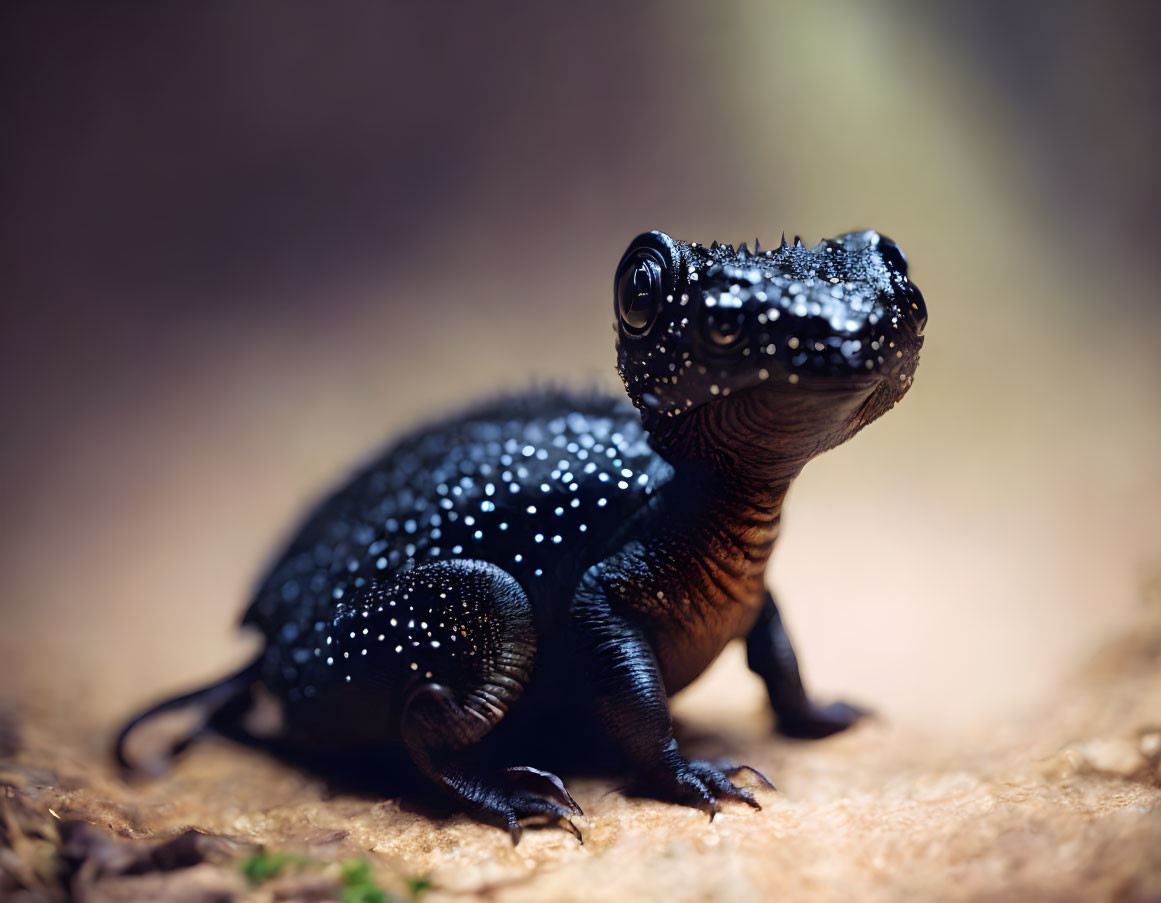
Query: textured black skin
{"points": [[544, 571]]}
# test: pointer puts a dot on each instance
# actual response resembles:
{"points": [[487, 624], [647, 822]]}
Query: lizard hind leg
{"points": [[436, 722], [465, 660]]}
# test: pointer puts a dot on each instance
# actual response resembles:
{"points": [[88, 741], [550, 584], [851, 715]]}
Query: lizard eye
{"points": [[640, 288]]}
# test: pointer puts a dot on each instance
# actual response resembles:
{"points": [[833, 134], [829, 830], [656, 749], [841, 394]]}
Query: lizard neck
{"points": [[717, 532], [731, 517], [733, 465]]}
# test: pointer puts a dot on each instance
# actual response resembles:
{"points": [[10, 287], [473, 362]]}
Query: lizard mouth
{"points": [[779, 423]]}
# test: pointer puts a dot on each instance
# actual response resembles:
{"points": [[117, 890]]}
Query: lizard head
{"points": [[789, 350]]}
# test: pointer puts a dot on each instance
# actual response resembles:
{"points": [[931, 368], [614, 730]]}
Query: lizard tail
{"points": [[215, 698]]}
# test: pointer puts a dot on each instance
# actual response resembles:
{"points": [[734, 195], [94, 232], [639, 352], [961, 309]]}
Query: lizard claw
{"points": [[706, 784], [551, 787], [718, 780], [515, 796], [732, 768], [527, 795]]}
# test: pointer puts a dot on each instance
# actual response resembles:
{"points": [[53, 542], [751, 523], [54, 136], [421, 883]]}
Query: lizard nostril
{"points": [[724, 329]]}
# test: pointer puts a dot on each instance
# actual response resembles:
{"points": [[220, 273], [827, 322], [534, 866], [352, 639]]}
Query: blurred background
{"points": [[243, 245]]}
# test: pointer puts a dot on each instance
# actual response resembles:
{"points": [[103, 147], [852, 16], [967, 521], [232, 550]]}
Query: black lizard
{"points": [[545, 571]]}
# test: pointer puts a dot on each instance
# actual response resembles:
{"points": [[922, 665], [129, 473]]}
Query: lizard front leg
{"points": [[770, 655], [626, 695]]}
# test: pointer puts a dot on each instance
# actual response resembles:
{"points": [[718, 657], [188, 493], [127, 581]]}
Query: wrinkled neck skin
{"points": [[718, 516], [735, 458]]}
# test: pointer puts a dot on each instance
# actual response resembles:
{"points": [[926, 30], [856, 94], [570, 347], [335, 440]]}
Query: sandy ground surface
{"points": [[1061, 804]]}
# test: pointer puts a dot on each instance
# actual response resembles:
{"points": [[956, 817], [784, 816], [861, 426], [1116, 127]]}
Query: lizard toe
{"points": [[717, 780]]}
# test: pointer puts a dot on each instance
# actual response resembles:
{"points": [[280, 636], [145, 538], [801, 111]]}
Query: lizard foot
{"points": [[521, 794], [705, 785], [818, 721]]}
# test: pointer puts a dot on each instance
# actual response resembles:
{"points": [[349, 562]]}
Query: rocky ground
{"points": [[1063, 804]]}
